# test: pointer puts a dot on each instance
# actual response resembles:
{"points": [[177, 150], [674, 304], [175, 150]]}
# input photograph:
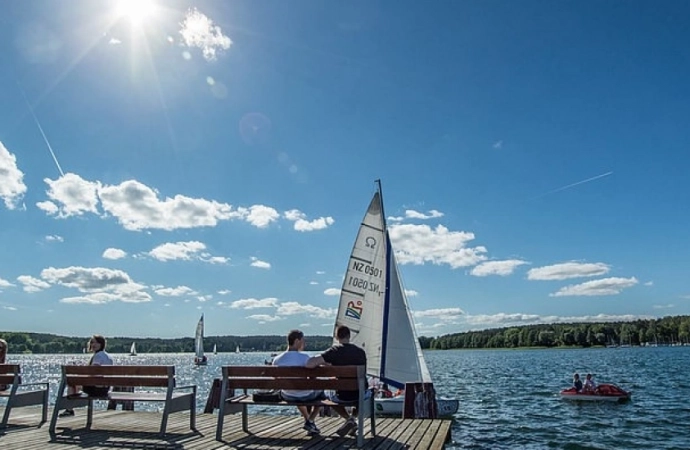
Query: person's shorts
{"points": [[313, 395], [333, 396]]}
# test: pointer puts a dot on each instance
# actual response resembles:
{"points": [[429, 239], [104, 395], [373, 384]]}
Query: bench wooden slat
{"points": [[119, 370], [283, 371], [121, 380], [294, 383], [9, 368]]}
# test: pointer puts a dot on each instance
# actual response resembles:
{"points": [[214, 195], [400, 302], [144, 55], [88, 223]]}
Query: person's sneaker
{"points": [[353, 432], [346, 427], [66, 413], [311, 427]]}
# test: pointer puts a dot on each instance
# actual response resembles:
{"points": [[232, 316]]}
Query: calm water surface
{"points": [[508, 399]]}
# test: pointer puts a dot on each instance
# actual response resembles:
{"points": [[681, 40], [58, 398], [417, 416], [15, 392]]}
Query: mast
{"points": [[386, 297]]}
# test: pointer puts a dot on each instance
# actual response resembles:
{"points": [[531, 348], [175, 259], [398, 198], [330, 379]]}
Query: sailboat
{"points": [[200, 358], [374, 306], [133, 349], [237, 349], [215, 349]]}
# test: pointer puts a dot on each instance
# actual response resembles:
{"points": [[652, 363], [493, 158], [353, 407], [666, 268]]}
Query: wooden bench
{"points": [[20, 394], [244, 378], [134, 376]]}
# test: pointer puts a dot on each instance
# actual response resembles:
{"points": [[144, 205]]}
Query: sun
{"points": [[136, 11]]}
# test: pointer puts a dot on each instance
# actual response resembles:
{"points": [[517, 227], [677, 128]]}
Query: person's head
{"points": [[342, 333], [295, 340], [3, 351], [576, 376], [97, 343], [589, 376]]}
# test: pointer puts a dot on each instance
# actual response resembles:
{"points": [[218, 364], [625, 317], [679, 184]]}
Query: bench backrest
{"points": [[143, 376], [9, 373], [347, 378]]}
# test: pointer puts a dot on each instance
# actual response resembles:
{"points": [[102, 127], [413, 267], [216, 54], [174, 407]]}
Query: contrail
{"points": [[40, 128], [574, 184]]}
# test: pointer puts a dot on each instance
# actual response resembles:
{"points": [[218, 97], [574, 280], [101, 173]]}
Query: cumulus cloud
{"points": [[114, 253], [178, 291], [440, 313], [502, 268], [200, 32], [332, 291], [5, 283], [253, 303], [54, 238], [99, 284], [259, 215], [411, 293], [12, 187], [225, 292], [264, 318], [32, 284], [70, 195], [605, 286], [302, 224], [567, 270], [419, 244], [412, 214], [256, 262], [293, 308], [185, 251]]}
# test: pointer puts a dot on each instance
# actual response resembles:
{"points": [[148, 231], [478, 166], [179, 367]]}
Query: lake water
{"points": [[508, 399]]}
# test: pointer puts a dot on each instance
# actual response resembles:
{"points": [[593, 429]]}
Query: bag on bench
{"points": [[263, 395]]}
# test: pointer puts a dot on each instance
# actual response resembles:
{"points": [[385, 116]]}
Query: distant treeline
{"points": [[664, 331], [21, 342]]}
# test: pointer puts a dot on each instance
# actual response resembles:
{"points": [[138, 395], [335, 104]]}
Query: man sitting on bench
{"points": [[99, 358], [342, 354], [294, 356]]}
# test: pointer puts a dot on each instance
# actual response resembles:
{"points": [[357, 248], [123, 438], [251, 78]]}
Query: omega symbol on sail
{"points": [[370, 242]]}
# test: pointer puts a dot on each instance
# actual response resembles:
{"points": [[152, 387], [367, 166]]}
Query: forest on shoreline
{"points": [[672, 330]]}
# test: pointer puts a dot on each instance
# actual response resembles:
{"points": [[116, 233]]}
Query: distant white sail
{"points": [[199, 359]]}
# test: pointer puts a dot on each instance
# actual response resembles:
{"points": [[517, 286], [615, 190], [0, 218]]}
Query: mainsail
{"points": [[199, 339], [374, 306]]}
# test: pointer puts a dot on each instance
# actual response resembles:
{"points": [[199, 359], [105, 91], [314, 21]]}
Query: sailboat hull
{"points": [[394, 406]]}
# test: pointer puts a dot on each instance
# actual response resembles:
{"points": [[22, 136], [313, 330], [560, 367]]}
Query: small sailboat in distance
{"points": [[215, 349], [200, 358], [133, 349], [237, 349]]}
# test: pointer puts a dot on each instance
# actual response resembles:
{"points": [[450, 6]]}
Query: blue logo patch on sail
{"points": [[353, 310]]}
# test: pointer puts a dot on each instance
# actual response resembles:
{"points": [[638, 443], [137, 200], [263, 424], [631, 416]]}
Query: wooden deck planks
{"points": [[139, 430]]}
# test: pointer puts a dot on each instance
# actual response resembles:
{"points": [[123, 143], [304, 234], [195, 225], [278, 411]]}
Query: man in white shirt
{"points": [[294, 356]]}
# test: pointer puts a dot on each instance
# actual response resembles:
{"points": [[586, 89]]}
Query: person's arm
{"points": [[315, 361]]}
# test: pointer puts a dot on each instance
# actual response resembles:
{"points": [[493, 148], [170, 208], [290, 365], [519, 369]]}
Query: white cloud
{"points": [[5, 283], [332, 291], [224, 292], [419, 244], [137, 207], [199, 31], [114, 41], [432, 214], [260, 264], [54, 238], [178, 291], [502, 268], [669, 306], [649, 283], [32, 284], [313, 283], [498, 145], [114, 253], [264, 318], [440, 313], [101, 285], [411, 293], [259, 215], [302, 224], [293, 308], [9, 308], [253, 303], [12, 187], [567, 270], [605, 286], [185, 251], [70, 195]]}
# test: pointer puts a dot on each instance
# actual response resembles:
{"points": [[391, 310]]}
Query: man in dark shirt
{"points": [[342, 354]]}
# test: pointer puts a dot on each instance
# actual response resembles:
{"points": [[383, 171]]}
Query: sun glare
{"points": [[135, 10]]}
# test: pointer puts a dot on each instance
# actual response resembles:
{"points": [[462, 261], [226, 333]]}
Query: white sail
{"points": [[199, 339], [373, 305], [215, 349], [133, 349]]}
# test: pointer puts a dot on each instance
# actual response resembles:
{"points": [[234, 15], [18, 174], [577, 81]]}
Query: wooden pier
{"points": [[139, 430]]}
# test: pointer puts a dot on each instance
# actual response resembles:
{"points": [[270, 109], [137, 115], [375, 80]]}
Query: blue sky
{"points": [[159, 160]]}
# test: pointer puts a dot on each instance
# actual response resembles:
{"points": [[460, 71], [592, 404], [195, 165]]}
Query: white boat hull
{"points": [[394, 406]]}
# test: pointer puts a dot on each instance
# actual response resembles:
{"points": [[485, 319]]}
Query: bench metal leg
{"points": [[89, 415], [245, 426], [192, 413]]}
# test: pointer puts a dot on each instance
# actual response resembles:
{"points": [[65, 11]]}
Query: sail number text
{"points": [[363, 284], [367, 269]]}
